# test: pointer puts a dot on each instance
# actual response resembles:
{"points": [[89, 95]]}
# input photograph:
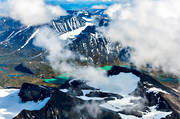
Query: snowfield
{"points": [[11, 105], [74, 33], [124, 84], [127, 83], [157, 90], [153, 114], [126, 104]]}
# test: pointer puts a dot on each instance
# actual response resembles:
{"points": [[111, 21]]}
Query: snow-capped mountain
{"points": [[78, 27], [129, 93]]}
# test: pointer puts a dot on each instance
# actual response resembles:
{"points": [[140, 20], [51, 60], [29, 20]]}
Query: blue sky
{"points": [[77, 3]]}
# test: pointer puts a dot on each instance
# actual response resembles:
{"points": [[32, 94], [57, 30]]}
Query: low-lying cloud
{"points": [[58, 55], [98, 78], [92, 108], [30, 12], [151, 28]]}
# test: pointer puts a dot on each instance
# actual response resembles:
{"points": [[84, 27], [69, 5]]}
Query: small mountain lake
{"points": [[61, 79]]}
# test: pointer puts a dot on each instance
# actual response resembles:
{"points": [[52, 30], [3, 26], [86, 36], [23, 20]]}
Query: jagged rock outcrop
{"points": [[68, 23], [31, 92], [76, 84], [18, 40], [65, 101], [103, 95], [152, 98], [64, 106]]}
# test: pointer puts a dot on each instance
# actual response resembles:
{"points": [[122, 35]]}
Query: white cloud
{"points": [[57, 53], [92, 108], [99, 7], [30, 12], [92, 75], [59, 58], [111, 11], [151, 27], [70, 0]]}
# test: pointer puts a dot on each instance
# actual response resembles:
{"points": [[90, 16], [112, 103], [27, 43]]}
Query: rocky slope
{"points": [[76, 99], [78, 26]]}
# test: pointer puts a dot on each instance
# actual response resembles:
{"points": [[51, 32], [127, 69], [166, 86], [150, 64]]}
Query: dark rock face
{"points": [[31, 92], [173, 116], [17, 39], [75, 87], [117, 69], [153, 98], [157, 99], [76, 84], [68, 23], [94, 45], [8, 23], [90, 45], [63, 106], [68, 105], [103, 95]]}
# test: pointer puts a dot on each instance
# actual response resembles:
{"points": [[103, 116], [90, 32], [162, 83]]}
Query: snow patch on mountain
{"points": [[31, 37], [74, 33], [157, 90], [152, 114], [11, 105], [84, 97], [131, 103], [13, 34], [87, 19], [90, 98], [122, 104]]}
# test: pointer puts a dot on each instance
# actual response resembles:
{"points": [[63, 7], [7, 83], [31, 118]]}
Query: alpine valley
{"points": [[30, 88]]}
